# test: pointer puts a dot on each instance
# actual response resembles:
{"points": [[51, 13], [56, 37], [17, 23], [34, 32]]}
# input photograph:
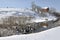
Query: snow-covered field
{"points": [[51, 34]]}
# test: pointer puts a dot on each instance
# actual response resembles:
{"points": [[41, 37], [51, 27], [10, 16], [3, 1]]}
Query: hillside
{"points": [[15, 21]]}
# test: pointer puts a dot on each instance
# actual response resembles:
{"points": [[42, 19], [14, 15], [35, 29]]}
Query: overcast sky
{"points": [[27, 3]]}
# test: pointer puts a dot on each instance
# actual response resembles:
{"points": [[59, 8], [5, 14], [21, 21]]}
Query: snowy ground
{"points": [[51, 34]]}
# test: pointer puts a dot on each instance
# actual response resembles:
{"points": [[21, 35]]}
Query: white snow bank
{"points": [[51, 34]]}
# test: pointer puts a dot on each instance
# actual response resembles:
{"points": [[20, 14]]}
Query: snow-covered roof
{"points": [[51, 34], [45, 7]]}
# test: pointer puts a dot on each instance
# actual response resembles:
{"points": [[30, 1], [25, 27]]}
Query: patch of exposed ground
{"points": [[8, 30]]}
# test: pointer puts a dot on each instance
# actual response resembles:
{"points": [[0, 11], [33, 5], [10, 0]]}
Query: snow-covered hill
{"points": [[51, 34], [6, 12], [26, 13]]}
